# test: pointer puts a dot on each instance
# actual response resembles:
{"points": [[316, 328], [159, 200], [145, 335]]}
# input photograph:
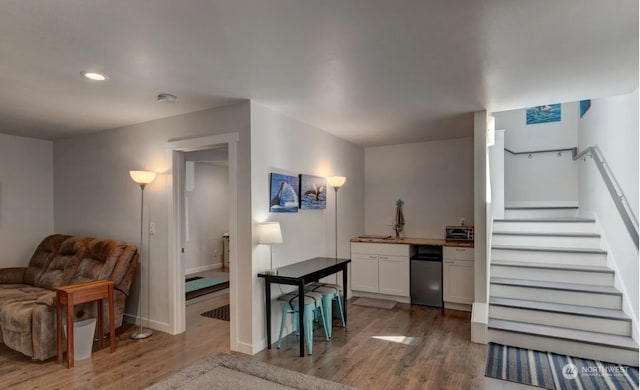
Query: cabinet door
{"points": [[394, 275], [364, 272], [458, 281]]}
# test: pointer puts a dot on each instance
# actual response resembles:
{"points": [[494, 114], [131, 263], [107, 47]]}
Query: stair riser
{"points": [[566, 347], [545, 227], [563, 320], [547, 241], [573, 258], [539, 213], [604, 301], [553, 275]]}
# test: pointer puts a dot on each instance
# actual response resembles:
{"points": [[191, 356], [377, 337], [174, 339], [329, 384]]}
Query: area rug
{"points": [[234, 371], [551, 371], [379, 303], [198, 286], [219, 313]]}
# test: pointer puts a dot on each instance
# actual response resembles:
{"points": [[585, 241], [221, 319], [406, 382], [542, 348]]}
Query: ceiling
{"points": [[373, 72]]}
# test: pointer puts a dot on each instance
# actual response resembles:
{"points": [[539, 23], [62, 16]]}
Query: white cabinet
{"points": [[380, 268], [394, 276], [457, 275], [364, 272]]}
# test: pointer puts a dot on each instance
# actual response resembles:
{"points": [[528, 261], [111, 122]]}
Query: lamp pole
{"points": [[336, 182], [142, 178]]}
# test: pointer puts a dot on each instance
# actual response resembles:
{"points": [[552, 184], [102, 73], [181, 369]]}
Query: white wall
{"points": [[207, 200], [26, 197], [208, 216], [435, 179], [545, 178], [612, 124], [281, 144], [95, 196]]}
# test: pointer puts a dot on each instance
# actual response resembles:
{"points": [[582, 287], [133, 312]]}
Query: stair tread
{"points": [[589, 311], [561, 219], [624, 342], [555, 266], [545, 234], [589, 288], [549, 249]]}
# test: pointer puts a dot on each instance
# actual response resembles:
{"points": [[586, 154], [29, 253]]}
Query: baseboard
{"points": [[457, 306], [155, 325], [250, 349], [203, 268], [542, 204]]}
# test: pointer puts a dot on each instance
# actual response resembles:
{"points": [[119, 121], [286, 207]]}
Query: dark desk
{"points": [[299, 274]]}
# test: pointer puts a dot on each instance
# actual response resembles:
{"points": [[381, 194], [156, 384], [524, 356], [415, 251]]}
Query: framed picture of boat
{"points": [[283, 193], [313, 192], [544, 114]]}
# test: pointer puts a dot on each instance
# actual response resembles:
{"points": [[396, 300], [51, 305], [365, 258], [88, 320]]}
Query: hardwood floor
{"points": [[409, 347]]}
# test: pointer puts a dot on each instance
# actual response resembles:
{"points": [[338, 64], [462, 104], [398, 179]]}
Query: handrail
{"points": [[619, 199], [573, 151]]}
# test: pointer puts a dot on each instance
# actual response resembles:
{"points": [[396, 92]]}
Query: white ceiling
{"points": [[370, 71]]}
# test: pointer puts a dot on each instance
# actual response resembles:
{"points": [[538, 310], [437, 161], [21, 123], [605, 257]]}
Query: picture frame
{"points": [[544, 114], [584, 106], [284, 193], [313, 192]]}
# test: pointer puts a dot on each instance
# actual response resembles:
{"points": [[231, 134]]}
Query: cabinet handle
{"points": [[460, 250], [384, 258], [450, 261], [373, 257]]}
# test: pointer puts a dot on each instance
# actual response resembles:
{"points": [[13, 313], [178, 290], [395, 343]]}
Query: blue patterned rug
{"points": [[551, 371]]}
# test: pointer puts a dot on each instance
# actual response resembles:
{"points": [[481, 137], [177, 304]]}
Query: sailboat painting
{"points": [[544, 114], [284, 193], [313, 192]]}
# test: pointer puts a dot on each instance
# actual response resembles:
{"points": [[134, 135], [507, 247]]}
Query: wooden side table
{"points": [[81, 293]]}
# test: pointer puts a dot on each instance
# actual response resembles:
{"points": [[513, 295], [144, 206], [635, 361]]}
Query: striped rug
{"points": [[551, 371]]}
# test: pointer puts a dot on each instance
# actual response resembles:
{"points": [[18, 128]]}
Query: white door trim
{"points": [[177, 322]]}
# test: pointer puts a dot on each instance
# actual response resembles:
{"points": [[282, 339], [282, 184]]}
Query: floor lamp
{"points": [[142, 178], [336, 182], [269, 233]]}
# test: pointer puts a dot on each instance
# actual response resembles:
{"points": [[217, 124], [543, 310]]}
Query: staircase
{"points": [[551, 289]]}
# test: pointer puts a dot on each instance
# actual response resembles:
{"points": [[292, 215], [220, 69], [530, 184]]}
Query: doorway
{"points": [[182, 151], [206, 234]]}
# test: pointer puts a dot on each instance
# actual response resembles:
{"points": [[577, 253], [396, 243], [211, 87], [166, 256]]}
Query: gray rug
{"points": [[379, 303], [234, 371]]}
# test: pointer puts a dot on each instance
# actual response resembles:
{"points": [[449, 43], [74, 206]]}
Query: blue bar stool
{"points": [[329, 293], [312, 301]]}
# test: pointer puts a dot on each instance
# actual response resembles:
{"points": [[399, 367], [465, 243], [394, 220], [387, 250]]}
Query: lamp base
{"points": [[141, 334], [271, 272]]}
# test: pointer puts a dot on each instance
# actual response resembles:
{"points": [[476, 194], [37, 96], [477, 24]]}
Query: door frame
{"points": [[177, 317]]}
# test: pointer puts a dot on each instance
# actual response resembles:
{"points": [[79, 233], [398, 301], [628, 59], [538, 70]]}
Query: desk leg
{"points": [[301, 315], [70, 357], [59, 328], [267, 295], [344, 294], [100, 325], [112, 323]]}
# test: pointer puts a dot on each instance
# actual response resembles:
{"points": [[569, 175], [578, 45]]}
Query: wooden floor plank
{"points": [[436, 354]]}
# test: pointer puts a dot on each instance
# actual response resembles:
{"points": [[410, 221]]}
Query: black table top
{"points": [[307, 267]]}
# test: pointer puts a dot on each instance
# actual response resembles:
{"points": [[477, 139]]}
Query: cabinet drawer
{"points": [[450, 252], [380, 249]]}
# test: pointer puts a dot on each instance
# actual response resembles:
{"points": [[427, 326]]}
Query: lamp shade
{"points": [[336, 181], [269, 233], [142, 177]]}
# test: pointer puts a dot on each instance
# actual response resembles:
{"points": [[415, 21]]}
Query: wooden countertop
{"points": [[415, 241]]}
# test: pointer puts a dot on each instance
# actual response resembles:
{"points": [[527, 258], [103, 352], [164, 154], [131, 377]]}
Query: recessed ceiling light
{"points": [[95, 76]]}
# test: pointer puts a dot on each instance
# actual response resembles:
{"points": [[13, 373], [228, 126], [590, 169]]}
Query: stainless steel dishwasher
{"points": [[426, 276]]}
